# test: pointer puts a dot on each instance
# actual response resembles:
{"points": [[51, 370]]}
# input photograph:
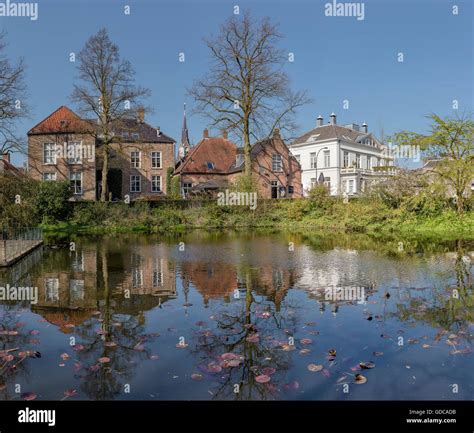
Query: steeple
{"points": [[184, 145]]}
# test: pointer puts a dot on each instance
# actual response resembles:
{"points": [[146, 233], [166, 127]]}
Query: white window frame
{"points": [[160, 189], [133, 163], [74, 188], [51, 153], [156, 156], [52, 174], [312, 160], [327, 158], [351, 186], [357, 160], [78, 158], [51, 286], [345, 164], [277, 163], [132, 183]]}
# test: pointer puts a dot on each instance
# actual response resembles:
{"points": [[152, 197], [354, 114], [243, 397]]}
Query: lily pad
{"points": [[315, 367]]}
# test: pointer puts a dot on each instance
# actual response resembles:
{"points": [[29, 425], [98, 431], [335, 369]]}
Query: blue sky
{"points": [[336, 58]]}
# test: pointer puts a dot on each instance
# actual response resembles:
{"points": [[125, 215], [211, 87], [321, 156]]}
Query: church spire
{"points": [[184, 146]]}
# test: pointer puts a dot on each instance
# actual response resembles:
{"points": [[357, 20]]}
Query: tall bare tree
{"points": [[106, 92], [451, 144], [246, 91], [12, 99]]}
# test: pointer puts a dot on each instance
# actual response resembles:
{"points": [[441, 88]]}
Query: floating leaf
{"points": [[181, 345], [196, 376], [64, 356], [254, 338], [332, 352], [367, 365], [201, 323], [460, 351], [268, 371], [8, 358], [315, 367], [263, 378], [288, 347], [28, 396], [20, 324], [293, 385], [70, 392], [104, 360], [229, 356], [34, 332], [306, 341], [94, 367], [313, 332], [359, 379], [139, 347], [78, 347], [326, 373], [425, 346], [305, 351], [310, 324], [378, 353], [214, 368], [154, 357], [33, 341]]}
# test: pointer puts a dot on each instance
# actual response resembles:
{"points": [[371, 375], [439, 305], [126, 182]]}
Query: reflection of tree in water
{"points": [[254, 330], [119, 339], [450, 308]]}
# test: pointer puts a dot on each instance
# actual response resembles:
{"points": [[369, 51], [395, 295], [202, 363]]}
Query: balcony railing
{"points": [[374, 171]]}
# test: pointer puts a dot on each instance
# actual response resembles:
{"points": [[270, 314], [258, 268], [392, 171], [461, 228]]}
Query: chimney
{"points": [[224, 135], [276, 133], [333, 119], [319, 121], [6, 157], [364, 127], [158, 132], [141, 115], [205, 133]]}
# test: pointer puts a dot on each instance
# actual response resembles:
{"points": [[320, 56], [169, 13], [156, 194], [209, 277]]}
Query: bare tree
{"points": [[12, 99], [107, 92], [246, 92]]}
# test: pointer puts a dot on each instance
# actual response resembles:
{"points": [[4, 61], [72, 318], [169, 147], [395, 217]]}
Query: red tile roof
{"points": [[217, 150], [63, 120]]}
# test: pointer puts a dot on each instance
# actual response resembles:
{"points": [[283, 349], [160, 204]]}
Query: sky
{"points": [[335, 58]]}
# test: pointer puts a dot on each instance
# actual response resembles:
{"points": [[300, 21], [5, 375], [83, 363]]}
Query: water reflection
{"points": [[252, 313]]}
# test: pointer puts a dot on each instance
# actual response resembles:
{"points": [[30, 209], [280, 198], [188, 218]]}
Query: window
{"points": [[298, 158], [312, 157], [135, 135], [345, 159], [327, 183], [327, 158], [239, 159], [155, 159], [210, 165], [186, 188], [49, 153], [156, 184], [75, 180], [344, 186], [137, 278], [51, 289], [125, 134], [76, 290], [313, 182], [77, 262], [157, 276], [367, 162], [277, 164], [357, 160], [74, 152], [135, 159], [351, 186], [49, 176], [291, 190], [135, 183]]}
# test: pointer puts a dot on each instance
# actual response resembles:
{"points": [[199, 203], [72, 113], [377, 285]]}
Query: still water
{"points": [[240, 316]]}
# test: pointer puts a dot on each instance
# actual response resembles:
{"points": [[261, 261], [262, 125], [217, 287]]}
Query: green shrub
{"points": [[52, 201]]}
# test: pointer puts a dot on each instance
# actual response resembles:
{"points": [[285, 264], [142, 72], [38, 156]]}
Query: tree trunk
{"points": [[247, 160], [105, 171]]}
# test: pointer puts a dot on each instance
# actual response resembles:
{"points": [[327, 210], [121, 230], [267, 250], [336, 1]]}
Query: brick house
{"points": [[7, 168], [62, 147], [215, 163]]}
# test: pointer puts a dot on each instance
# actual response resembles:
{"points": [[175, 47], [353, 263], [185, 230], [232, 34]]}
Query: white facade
{"points": [[344, 158]]}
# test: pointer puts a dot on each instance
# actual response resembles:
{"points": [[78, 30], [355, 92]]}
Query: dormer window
{"points": [[210, 165], [239, 159], [125, 134], [136, 136]]}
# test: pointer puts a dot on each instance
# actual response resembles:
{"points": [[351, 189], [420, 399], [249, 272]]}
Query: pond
{"points": [[239, 316]]}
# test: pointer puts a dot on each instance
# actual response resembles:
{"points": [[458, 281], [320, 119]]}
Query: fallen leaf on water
{"points": [[367, 365], [359, 379], [19, 324], [201, 323], [70, 392], [425, 346], [214, 368], [306, 341], [110, 344], [94, 367], [28, 396], [313, 332], [341, 379], [34, 332], [33, 341], [268, 371], [288, 347], [460, 351], [8, 358], [78, 347], [196, 376], [293, 385], [332, 352], [263, 378], [254, 338], [326, 373], [139, 347], [64, 356], [181, 345], [315, 367], [310, 324], [154, 357], [104, 360], [305, 351], [356, 368], [378, 353], [229, 355]]}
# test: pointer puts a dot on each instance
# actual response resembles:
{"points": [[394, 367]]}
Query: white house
{"points": [[346, 159]]}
